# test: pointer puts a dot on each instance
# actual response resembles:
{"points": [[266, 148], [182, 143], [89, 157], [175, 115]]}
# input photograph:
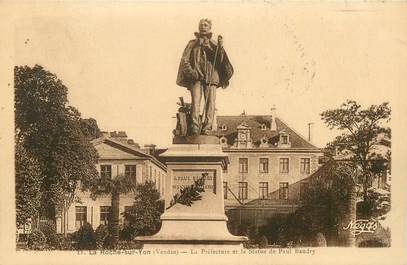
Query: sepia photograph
{"points": [[264, 132]]}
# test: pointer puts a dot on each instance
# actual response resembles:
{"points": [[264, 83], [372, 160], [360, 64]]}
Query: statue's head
{"points": [[205, 26]]}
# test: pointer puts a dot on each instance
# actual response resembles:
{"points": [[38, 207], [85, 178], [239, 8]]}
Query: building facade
{"points": [[269, 166], [117, 156]]}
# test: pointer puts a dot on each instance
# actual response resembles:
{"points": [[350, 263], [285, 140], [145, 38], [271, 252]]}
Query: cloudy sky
{"points": [[120, 60]]}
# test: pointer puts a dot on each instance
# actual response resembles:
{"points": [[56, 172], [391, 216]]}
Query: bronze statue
{"points": [[204, 67]]}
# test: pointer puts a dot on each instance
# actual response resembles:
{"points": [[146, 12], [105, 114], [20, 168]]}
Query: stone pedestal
{"points": [[203, 224]]}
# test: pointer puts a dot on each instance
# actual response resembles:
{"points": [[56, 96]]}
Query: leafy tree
{"points": [[361, 129], [144, 215], [50, 130], [330, 204], [326, 208], [90, 128], [28, 183], [114, 187]]}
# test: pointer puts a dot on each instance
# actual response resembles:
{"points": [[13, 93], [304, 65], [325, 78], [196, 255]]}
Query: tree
{"points": [[28, 182], [361, 129], [114, 187], [90, 128], [144, 215], [328, 206], [50, 130]]}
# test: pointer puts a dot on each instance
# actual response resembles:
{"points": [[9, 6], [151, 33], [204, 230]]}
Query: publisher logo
{"points": [[360, 226]]}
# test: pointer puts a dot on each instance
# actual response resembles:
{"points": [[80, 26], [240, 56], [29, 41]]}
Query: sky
{"points": [[120, 61]]}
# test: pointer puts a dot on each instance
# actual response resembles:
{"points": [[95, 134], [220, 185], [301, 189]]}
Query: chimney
{"points": [[310, 131], [120, 136], [133, 143], [273, 125], [149, 149]]}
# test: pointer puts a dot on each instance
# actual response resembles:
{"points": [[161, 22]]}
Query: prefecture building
{"points": [[269, 166]]}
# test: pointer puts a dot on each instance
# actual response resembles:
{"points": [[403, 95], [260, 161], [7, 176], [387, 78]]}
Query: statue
{"points": [[204, 67]]}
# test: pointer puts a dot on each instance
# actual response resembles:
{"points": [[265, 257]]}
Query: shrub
{"points": [[85, 237], [37, 240], [102, 236], [372, 243], [320, 240], [128, 245], [52, 238], [144, 215], [64, 243], [127, 233], [275, 229], [263, 242]]}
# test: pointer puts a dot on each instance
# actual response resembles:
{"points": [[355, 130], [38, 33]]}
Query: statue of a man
{"points": [[204, 67]]}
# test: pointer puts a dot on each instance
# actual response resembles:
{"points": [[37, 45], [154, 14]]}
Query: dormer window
{"points": [[243, 136], [284, 140], [263, 127], [224, 127]]}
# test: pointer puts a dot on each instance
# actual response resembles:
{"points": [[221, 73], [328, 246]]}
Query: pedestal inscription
{"points": [[184, 178]]}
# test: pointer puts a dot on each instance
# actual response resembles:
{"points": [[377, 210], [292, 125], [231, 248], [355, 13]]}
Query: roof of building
{"points": [[260, 127], [130, 148]]}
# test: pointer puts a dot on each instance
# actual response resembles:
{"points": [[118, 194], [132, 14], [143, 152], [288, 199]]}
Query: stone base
{"points": [[196, 139], [190, 229], [203, 224], [193, 234]]}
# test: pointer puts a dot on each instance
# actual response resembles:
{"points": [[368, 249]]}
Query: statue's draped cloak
{"points": [[188, 71]]}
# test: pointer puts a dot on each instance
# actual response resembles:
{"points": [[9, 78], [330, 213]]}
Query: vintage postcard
{"points": [[255, 132]]}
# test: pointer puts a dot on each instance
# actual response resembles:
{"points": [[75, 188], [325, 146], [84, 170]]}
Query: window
{"points": [[106, 171], [263, 190], [225, 190], [105, 214], [243, 165], [263, 127], [242, 190], [305, 166], [224, 127], [284, 139], [264, 165], [304, 186], [130, 171], [284, 165], [80, 216], [283, 191]]}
